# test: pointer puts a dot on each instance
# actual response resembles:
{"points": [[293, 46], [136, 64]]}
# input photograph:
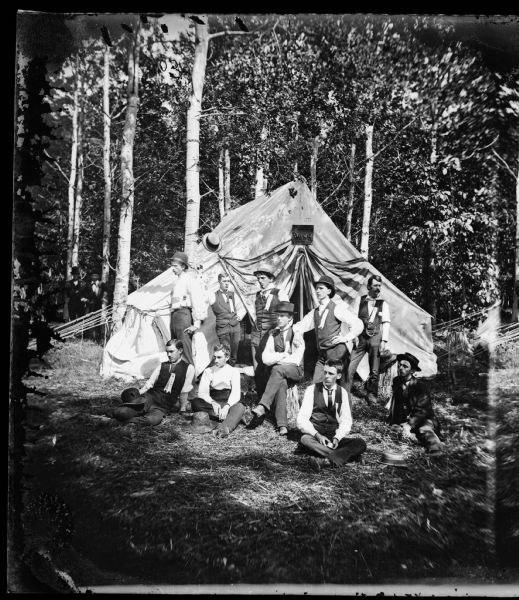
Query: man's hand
{"points": [[191, 329], [223, 412], [322, 439], [298, 339], [335, 443], [337, 339]]}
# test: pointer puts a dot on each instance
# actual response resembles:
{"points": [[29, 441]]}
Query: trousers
{"points": [[179, 320], [152, 416], [258, 342], [231, 338], [347, 450], [233, 416], [371, 345], [275, 394]]}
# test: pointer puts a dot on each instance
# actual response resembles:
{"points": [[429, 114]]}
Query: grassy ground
{"points": [[121, 504]]}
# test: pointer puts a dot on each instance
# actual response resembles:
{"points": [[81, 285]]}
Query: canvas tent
{"points": [[260, 231]]}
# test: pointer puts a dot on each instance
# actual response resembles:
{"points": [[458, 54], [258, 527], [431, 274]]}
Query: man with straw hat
{"points": [[283, 359], [188, 308], [334, 324], [228, 328], [410, 408], [325, 420]]}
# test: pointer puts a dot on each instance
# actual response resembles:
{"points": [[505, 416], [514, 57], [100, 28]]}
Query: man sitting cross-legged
{"points": [[325, 419], [167, 387], [219, 393], [283, 357]]}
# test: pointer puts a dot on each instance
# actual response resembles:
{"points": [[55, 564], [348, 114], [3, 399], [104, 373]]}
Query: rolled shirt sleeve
{"points": [[188, 382], [235, 395], [204, 386], [151, 381], [196, 296], [305, 412], [305, 324], [269, 356], [351, 325], [344, 418], [386, 321]]}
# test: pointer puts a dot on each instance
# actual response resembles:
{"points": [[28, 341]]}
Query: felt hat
{"points": [[200, 423], [264, 268], [393, 459], [131, 397], [181, 257], [328, 281], [284, 307], [212, 242], [411, 359]]}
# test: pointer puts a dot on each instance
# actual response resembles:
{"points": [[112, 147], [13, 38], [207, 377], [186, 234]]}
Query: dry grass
{"points": [[162, 505]]}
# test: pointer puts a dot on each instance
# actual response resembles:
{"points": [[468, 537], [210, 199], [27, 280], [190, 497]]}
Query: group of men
{"points": [[325, 415], [84, 297]]}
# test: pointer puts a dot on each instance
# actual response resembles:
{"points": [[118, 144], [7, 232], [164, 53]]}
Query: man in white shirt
{"points": [[167, 387], [373, 339], [334, 324], [228, 328], [219, 393], [188, 307], [324, 419], [284, 360]]}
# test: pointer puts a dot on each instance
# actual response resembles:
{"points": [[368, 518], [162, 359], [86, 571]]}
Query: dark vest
{"points": [[332, 327], [374, 328], [322, 414], [180, 371], [225, 317], [266, 319], [279, 346]]}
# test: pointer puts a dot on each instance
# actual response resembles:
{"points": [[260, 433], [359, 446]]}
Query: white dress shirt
{"points": [[351, 325], [267, 293], [307, 406], [384, 314], [220, 378], [187, 292], [188, 383], [294, 356]]}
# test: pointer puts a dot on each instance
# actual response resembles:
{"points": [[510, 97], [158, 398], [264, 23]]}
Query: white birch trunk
{"points": [[515, 302], [79, 189], [351, 195], [368, 192], [73, 171], [227, 180], [105, 273], [259, 186], [221, 187], [193, 136], [124, 241]]}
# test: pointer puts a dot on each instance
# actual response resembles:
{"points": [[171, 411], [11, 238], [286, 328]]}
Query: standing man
{"points": [[168, 385], [334, 324], [227, 324], [325, 420], [374, 313], [96, 291], [267, 298], [75, 292], [283, 359], [410, 408], [188, 308]]}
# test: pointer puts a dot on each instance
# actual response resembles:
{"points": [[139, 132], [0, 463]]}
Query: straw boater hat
{"points": [[285, 307], [181, 257], [212, 242], [132, 398], [327, 281], [264, 268], [200, 423], [411, 359], [393, 459]]}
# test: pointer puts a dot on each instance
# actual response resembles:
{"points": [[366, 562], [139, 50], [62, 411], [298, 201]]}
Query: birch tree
{"points": [[106, 170], [73, 168], [368, 192], [127, 184], [351, 193], [78, 200]]}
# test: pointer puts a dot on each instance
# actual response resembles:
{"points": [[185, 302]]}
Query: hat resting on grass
{"points": [[132, 398], [393, 459], [200, 423]]}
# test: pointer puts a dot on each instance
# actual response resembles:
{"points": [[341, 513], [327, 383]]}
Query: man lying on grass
{"points": [[325, 419], [410, 408], [165, 391]]}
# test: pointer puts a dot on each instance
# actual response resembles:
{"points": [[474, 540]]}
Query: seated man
{"points": [[410, 407], [168, 386], [325, 419], [219, 393], [283, 359]]}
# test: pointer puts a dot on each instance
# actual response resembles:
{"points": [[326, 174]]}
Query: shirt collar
{"points": [[325, 302], [333, 388]]}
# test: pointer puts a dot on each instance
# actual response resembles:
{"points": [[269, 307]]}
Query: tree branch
{"points": [[54, 164], [504, 163], [220, 33]]}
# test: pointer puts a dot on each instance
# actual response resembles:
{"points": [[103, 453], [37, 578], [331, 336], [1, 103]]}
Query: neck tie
{"points": [[330, 400], [264, 295]]}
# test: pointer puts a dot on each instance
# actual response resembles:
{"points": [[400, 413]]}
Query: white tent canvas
{"points": [[259, 231]]}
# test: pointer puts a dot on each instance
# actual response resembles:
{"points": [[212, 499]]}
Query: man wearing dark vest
{"points": [[77, 296], [334, 324], [324, 419], [283, 359], [97, 292], [266, 301], [374, 314], [227, 325], [168, 386]]}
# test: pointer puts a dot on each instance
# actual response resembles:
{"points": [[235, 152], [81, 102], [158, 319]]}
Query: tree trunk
{"points": [[221, 185], [515, 302], [259, 185], [127, 188], [313, 166], [79, 188], [428, 278], [351, 196], [106, 171], [73, 170], [227, 180], [296, 138], [368, 192], [193, 136]]}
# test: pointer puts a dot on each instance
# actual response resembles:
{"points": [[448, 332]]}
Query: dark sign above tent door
{"points": [[302, 235]]}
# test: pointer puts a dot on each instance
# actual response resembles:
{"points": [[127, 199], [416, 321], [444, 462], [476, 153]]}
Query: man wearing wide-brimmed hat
{"points": [[411, 406], [188, 307], [228, 328], [267, 298], [334, 324], [283, 359]]}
